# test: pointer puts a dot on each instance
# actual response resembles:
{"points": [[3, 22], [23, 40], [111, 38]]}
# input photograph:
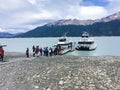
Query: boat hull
{"points": [[85, 48], [90, 48]]}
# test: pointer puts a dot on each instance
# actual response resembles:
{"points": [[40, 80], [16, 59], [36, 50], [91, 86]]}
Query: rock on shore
{"points": [[59, 73]]}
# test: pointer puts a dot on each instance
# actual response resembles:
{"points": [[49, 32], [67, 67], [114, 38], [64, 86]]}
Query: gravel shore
{"points": [[59, 73]]}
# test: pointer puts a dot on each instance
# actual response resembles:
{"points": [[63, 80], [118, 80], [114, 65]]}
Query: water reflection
{"points": [[82, 53]]}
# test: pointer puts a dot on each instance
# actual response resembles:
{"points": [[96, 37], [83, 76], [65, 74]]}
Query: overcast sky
{"points": [[23, 15]]}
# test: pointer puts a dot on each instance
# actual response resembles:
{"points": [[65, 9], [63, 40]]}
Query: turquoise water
{"points": [[106, 46]]}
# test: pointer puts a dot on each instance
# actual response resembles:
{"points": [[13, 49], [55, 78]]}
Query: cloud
{"points": [[2, 30], [24, 15], [33, 2], [87, 12], [113, 6]]}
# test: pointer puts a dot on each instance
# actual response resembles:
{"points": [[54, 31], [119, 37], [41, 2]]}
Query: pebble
{"points": [[36, 87], [48, 89], [76, 87], [61, 82]]}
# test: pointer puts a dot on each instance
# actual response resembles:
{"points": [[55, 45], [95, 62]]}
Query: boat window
{"points": [[84, 36], [85, 42], [61, 40]]}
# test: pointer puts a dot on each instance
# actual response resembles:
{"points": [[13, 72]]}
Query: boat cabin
{"points": [[85, 35], [62, 39]]}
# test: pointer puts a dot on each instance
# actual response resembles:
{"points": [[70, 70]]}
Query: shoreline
{"points": [[59, 72], [17, 55]]}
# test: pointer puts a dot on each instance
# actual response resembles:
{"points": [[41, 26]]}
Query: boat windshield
{"points": [[62, 40], [85, 34], [85, 42]]}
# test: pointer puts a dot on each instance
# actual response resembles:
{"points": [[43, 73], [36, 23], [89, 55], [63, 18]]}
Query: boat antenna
{"points": [[65, 33]]}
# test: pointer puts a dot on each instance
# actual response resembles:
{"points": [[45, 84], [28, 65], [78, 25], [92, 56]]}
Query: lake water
{"points": [[106, 46]]}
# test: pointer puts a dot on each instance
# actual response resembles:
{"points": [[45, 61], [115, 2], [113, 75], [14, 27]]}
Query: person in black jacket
{"points": [[27, 52]]}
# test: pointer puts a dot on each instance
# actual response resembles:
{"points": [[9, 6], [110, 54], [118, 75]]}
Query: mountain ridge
{"points": [[5, 35], [107, 26], [115, 16]]}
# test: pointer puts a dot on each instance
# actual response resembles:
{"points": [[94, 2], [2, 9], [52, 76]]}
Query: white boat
{"points": [[86, 42], [64, 42]]}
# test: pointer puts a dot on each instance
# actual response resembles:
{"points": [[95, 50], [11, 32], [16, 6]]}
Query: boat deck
{"points": [[67, 50]]}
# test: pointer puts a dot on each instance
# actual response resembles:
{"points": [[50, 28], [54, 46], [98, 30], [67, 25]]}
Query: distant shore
{"points": [[59, 72]]}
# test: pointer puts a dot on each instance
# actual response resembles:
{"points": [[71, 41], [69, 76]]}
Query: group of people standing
{"points": [[39, 51]]}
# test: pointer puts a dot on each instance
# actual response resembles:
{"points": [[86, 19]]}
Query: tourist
{"points": [[46, 51], [33, 50], [50, 51], [37, 51], [71, 45], [55, 51], [59, 49], [41, 51], [27, 52], [1, 53]]}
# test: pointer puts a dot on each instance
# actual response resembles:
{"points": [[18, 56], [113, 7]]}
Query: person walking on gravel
{"points": [[1, 53], [27, 52]]}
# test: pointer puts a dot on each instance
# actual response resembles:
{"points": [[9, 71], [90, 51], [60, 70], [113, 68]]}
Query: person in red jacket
{"points": [[1, 53]]}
